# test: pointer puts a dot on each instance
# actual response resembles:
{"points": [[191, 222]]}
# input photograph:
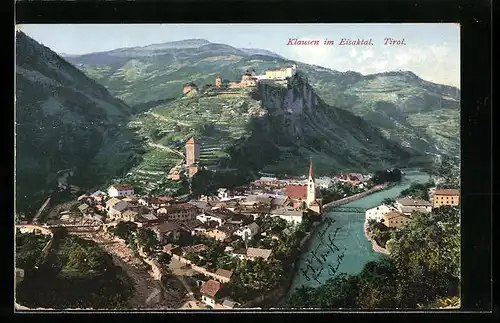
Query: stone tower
{"points": [[218, 81], [192, 152], [311, 187]]}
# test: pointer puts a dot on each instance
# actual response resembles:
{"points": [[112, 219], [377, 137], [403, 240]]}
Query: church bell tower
{"points": [[311, 187]]}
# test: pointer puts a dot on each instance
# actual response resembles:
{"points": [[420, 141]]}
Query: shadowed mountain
{"points": [[64, 121]]}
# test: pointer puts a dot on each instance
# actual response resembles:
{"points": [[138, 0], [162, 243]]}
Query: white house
{"points": [[377, 213], [120, 190], [209, 291], [248, 231], [289, 214], [406, 205], [324, 182], [206, 217]]}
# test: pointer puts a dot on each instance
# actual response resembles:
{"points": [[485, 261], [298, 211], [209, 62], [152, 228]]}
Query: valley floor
{"points": [[149, 293]]}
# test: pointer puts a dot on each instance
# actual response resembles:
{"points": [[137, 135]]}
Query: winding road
{"points": [[166, 148], [168, 119]]}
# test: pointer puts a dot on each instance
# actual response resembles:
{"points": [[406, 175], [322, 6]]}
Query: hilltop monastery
{"points": [[248, 79]]}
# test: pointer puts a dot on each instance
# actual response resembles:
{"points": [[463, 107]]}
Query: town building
{"points": [[201, 205], [247, 232], [247, 79], [324, 182], [446, 197], [129, 215], [223, 275], [377, 213], [220, 215], [218, 81], [394, 219], [209, 292], [189, 87], [353, 179], [228, 304], [252, 253], [182, 212], [407, 205], [116, 211], [167, 231], [155, 202], [146, 220], [221, 233], [120, 190], [289, 214], [111, 202], [98, 196]]}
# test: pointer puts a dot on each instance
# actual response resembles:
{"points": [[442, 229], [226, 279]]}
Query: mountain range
{"points": [[409, 110], [122, 114]]}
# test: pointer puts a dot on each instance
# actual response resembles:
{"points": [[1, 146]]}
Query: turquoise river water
{"points": [[350, 237]]}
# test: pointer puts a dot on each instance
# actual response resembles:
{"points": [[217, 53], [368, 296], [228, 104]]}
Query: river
{"points": [[350, 238]]}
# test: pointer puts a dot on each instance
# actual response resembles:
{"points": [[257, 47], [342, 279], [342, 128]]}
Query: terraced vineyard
{"points": [[216, 121]]}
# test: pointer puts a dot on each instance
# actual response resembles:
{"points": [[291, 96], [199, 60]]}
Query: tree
{"points": [[388, 201], [164, 259], [193, 257], [424, 266], [147, 239], [124, 229]]}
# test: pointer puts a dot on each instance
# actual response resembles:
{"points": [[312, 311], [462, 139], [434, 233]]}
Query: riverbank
{"points": [[277, 295], [354, 197], [350, 238], [375, 246]]}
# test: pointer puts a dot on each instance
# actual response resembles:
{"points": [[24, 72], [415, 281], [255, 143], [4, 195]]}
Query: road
{"points": [[166, 148], [149, 293], [168, 119]]}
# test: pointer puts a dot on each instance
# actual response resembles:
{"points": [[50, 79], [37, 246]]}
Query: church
{"points": [[305, 195]]}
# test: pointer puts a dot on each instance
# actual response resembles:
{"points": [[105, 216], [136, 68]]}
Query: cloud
{"points": [[434, 63]]}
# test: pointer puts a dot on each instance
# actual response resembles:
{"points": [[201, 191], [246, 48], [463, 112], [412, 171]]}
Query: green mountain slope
{"points": [[413, 112], [64, 121], [271, 128]]}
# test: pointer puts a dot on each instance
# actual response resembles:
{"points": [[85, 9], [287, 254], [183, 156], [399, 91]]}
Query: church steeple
{"points": [[311, 187], [310, 168]]}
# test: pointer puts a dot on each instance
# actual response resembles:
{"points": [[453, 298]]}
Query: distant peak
{"points": [[185, 43]]}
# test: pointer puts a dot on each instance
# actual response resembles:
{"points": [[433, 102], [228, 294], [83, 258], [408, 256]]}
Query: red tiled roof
{"points": [[190, 141], [447, 191], [210, 288], [122, 187], [296, 191]]}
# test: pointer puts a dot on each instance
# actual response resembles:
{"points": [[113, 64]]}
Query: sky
{"points": [[432, 50]]}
